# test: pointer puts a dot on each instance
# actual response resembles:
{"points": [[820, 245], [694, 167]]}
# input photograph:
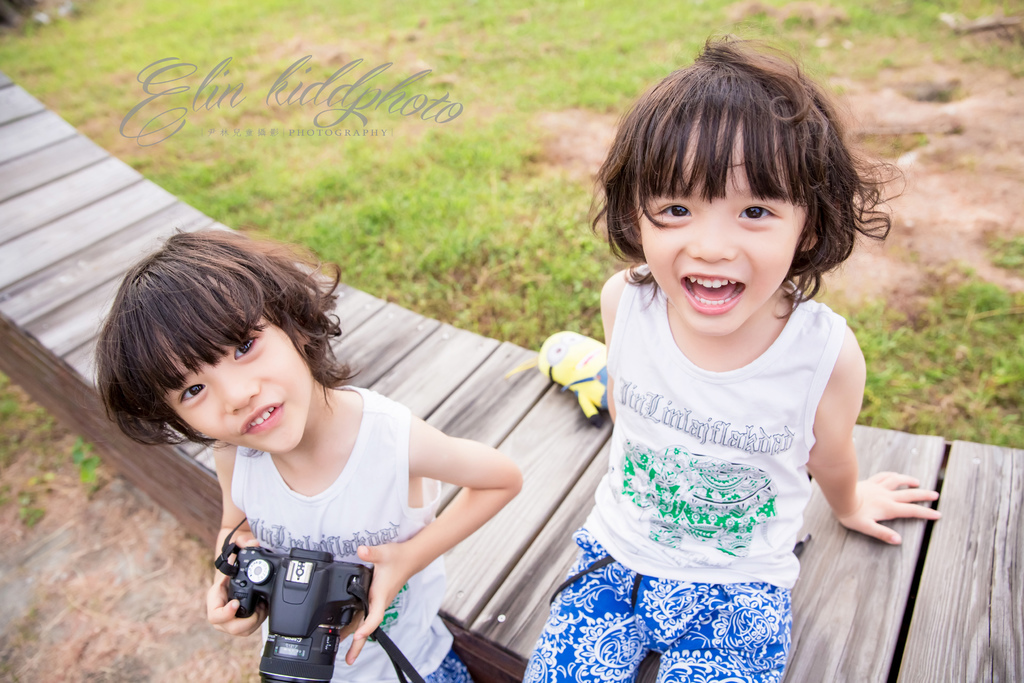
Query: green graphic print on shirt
{"points": [[698, 497], [394, 609]]}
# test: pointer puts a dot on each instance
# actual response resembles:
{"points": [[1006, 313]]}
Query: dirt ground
{"points": [[106, 587]]}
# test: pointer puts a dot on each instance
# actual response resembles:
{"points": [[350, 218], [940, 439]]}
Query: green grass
{"points": [[460, 221], [1008, 253], [953, 365]]}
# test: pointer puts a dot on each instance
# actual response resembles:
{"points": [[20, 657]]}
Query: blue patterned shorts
{"points": [[452, 670], [603, 625]]}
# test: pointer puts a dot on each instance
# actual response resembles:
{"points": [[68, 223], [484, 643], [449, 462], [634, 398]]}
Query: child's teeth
{"points": [[259, 420], [710, 284]]}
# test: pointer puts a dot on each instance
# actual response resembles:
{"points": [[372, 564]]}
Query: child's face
{"points": [[258, 396], [721, 263]]}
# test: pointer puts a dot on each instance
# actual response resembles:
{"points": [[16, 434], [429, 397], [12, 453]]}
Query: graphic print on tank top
{"points": [[698, 497]]}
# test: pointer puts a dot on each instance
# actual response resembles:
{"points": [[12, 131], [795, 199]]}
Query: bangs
{"points": [[702, 130], [182, 319]]}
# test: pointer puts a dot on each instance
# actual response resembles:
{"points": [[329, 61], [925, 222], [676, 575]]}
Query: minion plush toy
{"points": [[578, 363]]}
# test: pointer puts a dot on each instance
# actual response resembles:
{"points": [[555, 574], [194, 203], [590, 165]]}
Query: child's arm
{"points": [[833, 460], [488, 480], [611, 293], [219, 612]]}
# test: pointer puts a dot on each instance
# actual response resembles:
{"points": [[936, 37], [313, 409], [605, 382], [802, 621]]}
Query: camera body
{"points": [[310, 598]]}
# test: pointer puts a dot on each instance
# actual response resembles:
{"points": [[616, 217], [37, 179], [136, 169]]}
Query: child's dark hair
{"points": [[681, 137], [189, 304]]}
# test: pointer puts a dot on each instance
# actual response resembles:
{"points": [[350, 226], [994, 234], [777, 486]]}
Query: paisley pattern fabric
{"points": [[704, 632], [452, 670]]}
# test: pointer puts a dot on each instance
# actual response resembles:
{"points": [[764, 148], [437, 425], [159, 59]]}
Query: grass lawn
{"points": [[462, 220]]}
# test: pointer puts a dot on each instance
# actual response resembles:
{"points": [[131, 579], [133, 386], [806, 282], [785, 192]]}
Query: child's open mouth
{"points": [[265, 417], [712, 295]]}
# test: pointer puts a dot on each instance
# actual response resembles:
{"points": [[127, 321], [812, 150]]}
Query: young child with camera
{"points": [[224, 341]]}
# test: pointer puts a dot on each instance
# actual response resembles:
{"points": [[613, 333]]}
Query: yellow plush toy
{"points": [[578, 363]]}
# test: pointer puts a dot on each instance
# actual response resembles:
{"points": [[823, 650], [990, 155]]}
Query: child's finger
{"points": [[882, 533], [908, 510], [354, 650], [894, 480], [915, 495], [222, 614]]}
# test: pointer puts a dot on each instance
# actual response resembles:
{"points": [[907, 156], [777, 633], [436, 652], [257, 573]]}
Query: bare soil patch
{"points": [[105, 587]]}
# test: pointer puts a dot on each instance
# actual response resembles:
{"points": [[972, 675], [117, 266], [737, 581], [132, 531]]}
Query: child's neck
{"points": [[327, 443], [737, 349]]}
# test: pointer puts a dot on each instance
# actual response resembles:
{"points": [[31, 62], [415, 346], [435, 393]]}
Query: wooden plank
{"points": [[64, 329], [44, 246], [31, 133], [486, 407], [5, 80], [485, 662], [175, 482], [849, 601], [354, 307], [378, 344], [61, 197], [202, 455], [553, 445], [516, 614], [434, 369], [45, 290], [968, 622], [15, 104], [42, 166], [82, 359]]}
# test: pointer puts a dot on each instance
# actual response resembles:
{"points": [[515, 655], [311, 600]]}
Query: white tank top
{"points": [[707, 479], [368, 504]]}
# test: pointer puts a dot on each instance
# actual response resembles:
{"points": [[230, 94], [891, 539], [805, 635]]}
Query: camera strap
{"points": [[398, 660], [224, 566]]}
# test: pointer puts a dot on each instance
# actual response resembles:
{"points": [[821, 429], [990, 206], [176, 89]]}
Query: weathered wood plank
{"points": [[32, 133], [968, 622], [846, 619], [15, 103], [64, 329], [516, 614], [5, 80], [486, 407], [58, 284], [377, 345], [434, 369], [61, 197], [40, 167], [82, 359], [354, 307], [44, 246], [553, 445]]}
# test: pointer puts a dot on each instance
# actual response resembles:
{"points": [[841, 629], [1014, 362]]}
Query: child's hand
{"points": [[888, 495], [391, 571], [221, 613]]}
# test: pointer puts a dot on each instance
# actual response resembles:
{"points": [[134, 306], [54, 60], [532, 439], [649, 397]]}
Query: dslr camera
{"points": [[310, 599]]}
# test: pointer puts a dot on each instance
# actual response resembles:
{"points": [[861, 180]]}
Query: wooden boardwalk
{"points": [[72, 220]]}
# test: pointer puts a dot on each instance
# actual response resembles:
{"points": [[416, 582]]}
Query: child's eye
{"points": [[243, 349], [676, 211], [755, 212], [191, 392]]}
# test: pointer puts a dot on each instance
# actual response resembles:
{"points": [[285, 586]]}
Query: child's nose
{"points": [[239, 395], [709, 242]]}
